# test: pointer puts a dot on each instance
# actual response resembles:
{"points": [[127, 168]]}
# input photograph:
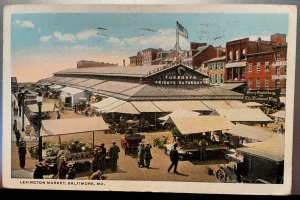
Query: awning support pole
{"points": [[155, 120], [93, 139], [59, 141]]}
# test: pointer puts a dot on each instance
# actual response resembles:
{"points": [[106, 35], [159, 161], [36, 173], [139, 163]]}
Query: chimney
{"points": [[259, 45], [124, 63]]}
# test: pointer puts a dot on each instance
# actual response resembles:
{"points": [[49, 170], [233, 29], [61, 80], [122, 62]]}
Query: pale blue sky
{"points": [[76, 35]]}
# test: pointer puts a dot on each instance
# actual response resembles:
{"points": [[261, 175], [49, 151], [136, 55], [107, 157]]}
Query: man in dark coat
{"points": [[22, 153], [102, 157], [148, 155], [174, 158], [114, 155], [39, 171], [18, 136]]}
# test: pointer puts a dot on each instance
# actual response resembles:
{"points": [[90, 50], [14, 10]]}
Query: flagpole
{"points": [[177, 48]]}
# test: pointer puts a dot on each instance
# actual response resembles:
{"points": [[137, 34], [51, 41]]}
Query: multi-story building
{"points": [[197, 56], [267, 70], [215, 70]]}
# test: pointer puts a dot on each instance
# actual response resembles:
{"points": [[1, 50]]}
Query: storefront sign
{"points": [[262, 96], [178, 80]]}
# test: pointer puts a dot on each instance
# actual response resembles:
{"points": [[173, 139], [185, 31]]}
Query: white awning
{"points": [[235, 64], [71, 91], [75, 125], [180, 113], [272, 148], [244, 115], [104, 103], [55, 87], [253, 104], [217, 104], [200, 124], [279, 114], [171, 106], [145, 106], [251, 132], [126, 108], [46, 107]]}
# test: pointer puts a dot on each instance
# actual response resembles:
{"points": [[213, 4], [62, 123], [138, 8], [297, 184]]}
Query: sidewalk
{"points": [[19, 124]]}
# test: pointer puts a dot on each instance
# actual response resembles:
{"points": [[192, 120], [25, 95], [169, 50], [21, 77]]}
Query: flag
{"points": [[182, 31]]}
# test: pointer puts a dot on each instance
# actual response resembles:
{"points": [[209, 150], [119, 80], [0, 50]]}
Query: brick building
{"points": [[197, 56], [267, 70]]}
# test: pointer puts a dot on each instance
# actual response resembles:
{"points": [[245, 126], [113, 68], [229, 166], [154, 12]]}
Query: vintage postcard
{"points": [[160, 98]]}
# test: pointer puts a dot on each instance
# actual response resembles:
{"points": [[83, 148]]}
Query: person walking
{"points": [[18, 136], [202, 148], [141, 155], [58, 115], [114, 156], [102, 157], [22, 152], [174, 158], [148, 155]]}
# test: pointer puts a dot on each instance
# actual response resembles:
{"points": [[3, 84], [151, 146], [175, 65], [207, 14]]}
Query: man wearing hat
{"points": [[96, 160], [148, 155], [114, 155]]}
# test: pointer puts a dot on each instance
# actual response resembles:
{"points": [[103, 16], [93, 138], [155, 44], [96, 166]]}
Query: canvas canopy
{"points": [[126, 108], [171, 106], [272, 148], [179, 113], [104, 103], [145, 106], [200, 124], [279, 114], [71, 91], [55, 87], [69, 126], [46, 107], [251, 132], [253, 104], [244, 115]]}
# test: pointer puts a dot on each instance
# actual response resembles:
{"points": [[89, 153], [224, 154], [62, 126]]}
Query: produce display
{"points": [[51, 149]]}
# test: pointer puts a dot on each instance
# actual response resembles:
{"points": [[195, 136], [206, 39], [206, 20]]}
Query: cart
{"points": [[130, 142]]}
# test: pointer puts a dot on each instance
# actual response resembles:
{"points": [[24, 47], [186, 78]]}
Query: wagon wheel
{"points": [[221, 176]]}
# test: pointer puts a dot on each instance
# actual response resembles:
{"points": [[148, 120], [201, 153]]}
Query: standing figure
{"points": [[22, 153], [141, 155], [174, 158], [39, 171], [148, 155], [202, 148], [18, 136], [96, 160], [15, 127], [58, 115], [114, 155], [102, 157]]}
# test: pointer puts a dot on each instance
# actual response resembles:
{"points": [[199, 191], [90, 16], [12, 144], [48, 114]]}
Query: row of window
{"points": [[216, 66], [234, 56], [267, 66], [216, 79], [266, 83]]}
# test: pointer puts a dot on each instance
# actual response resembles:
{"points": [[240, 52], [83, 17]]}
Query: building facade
{"points": [[215, 70], [88, 64], [267, 70]]}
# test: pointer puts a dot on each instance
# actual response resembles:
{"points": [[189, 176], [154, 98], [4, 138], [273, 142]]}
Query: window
{"points": [[222, 78], [243, 55], [249, 83], [216, 79], [277, 83], [278, 70], [277, 56], [258, 66], [231, 55], [284, 83], [237, 56], [266, 83], [235, 73], [285, 70], [229, 74], [222, 65], [250, 67], [242, 73], [267, 65], [257, 83]]}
